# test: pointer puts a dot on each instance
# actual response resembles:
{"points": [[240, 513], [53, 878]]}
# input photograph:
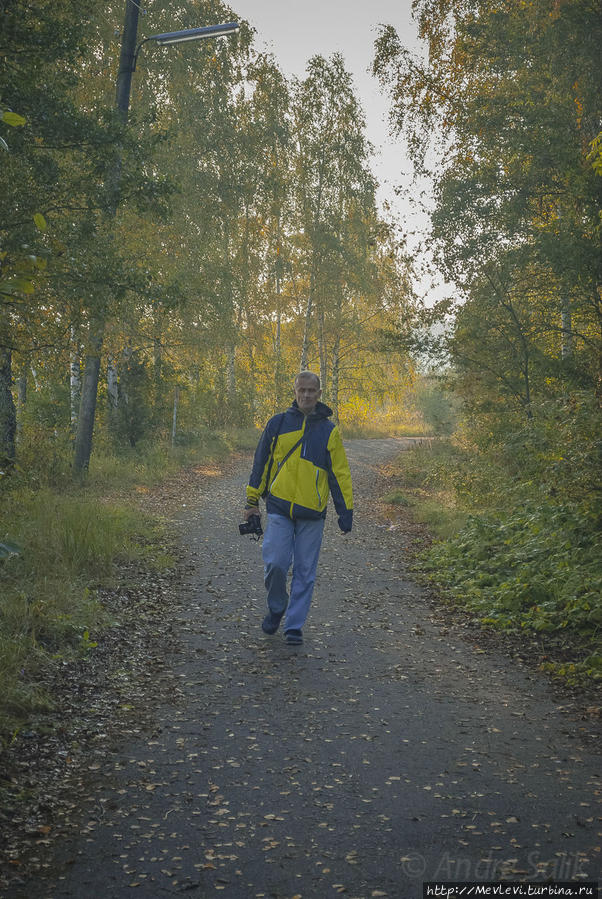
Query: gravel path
{"points": [[383, 752]]}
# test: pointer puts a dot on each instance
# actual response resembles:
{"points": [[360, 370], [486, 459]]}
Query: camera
{"points": [[252, 526]]}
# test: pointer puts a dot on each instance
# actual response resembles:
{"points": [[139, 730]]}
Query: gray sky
{"points": [[295, 31]]}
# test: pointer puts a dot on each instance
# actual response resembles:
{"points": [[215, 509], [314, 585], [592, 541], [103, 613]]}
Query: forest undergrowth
{"points": [[516, 524]]}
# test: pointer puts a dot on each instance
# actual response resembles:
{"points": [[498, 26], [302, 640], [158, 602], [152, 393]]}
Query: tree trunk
{"points": [[323, 352], [231, 373], [22, 389], [312, 278], [278, 339], [252, 383], [526, 373], [599, 379], [278, 347], [566, 319], [305, 345], [334, 389], [279, 372], [174, 421], [75, 384], [112, 392], [87, 406], [279, 366], [8, 412], [124, 381], [21, 403], [157, 377]]}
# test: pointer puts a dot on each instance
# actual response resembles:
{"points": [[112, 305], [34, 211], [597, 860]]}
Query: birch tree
{"points": [[331, 171]]}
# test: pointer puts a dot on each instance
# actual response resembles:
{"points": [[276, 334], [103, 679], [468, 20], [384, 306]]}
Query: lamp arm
{"points": [[135, 59]]}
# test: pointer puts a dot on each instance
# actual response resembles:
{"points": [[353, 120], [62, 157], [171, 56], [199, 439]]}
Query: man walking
{"points": [[299, 460]]}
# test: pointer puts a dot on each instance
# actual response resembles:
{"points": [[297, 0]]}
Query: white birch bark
{"points": [[567, 329], [174, 420], [334, 388], [112, 385]]}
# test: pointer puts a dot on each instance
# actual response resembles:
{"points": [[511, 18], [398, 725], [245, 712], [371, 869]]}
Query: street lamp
{"points": [[189, 34], [129, 50], [195, 34]]}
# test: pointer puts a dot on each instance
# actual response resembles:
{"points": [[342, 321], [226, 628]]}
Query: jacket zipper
{"points": [[317, 491]]}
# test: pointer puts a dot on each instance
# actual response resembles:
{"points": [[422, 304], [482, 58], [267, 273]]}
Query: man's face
{"points": [[307, 394]]}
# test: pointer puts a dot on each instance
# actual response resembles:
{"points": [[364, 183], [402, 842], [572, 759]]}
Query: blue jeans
{"points": [[285, 542]]}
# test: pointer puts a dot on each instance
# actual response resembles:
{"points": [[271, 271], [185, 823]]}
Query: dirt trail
{"points": [[383, 752]]}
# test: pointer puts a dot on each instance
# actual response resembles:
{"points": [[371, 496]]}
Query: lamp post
{"points": [[129, 50], [127, 65]]}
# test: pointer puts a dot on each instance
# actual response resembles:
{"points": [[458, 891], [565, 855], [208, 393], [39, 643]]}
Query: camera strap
{"points": [[271, 462]]}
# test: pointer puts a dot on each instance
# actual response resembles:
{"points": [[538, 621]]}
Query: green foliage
{"points": [[47, 607], [12, 118], [425, 486], [576, 673], [63, 535], [151, 460], [63, 542], [184, 244], [595, 154], [535, 567], [526, 552]]}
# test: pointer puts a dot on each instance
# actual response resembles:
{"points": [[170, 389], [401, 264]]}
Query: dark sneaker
{"points": [[270, 623], [293, 637]]}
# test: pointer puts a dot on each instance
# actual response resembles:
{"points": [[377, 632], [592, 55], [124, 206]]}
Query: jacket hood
{"points": [[321, 410]]}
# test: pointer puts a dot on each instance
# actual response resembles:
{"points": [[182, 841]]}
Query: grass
{"points": [[516, 552], [443, 519], [70, 538], [422, 487], [398, 498], [148, 464], [49, 610]]}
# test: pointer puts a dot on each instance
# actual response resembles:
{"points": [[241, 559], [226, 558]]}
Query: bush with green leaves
{"points": [[529, 554], [538, 567]]}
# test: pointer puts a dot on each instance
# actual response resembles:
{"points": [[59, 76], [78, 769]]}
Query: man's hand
{"points": [[253, 510]]}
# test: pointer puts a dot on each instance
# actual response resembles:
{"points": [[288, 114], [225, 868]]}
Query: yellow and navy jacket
{"points": [[299, 486]]}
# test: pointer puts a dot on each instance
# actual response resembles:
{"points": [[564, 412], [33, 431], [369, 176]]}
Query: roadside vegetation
{"points": [[515, 517], [60, 542]]}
